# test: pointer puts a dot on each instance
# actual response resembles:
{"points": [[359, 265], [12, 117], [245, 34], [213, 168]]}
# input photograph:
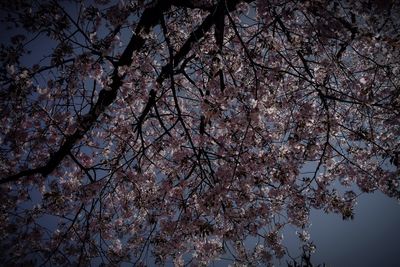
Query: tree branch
{"points": [[149, 19], [106, 97]]}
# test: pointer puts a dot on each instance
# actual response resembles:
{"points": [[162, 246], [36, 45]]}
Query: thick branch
{"points": [[149, 19], [192, 4], [222, 8], [106, 97]]}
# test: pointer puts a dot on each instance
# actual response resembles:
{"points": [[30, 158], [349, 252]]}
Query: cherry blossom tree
{"points": [[178, 130]]}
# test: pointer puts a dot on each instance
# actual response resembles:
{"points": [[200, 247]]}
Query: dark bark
{"points": [[150, 17]]}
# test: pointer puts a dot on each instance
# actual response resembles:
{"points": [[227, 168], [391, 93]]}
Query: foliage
{"points": [[178, 130]]}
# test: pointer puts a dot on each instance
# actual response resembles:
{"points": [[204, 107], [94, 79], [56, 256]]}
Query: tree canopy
{"points": [[178, 130]]}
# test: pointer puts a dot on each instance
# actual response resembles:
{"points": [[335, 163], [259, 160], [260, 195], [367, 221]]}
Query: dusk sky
{"points": [[371, 239]]}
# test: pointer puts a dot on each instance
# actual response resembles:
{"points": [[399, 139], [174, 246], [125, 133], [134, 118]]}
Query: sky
{"points": [[371, 239]]}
